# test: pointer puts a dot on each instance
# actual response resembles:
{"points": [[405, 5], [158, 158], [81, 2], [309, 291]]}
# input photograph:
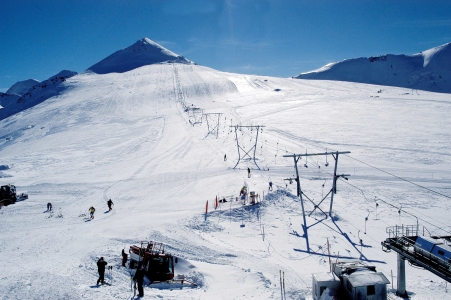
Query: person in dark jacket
{"points": [[109, 205], [124, 257], [101, 268], [139, 278]]}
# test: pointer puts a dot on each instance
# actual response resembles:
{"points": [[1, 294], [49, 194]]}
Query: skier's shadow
{"points": [[94, 286]]}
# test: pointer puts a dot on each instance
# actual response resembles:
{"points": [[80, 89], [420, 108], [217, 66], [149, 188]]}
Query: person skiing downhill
{"points": [[91, 211], [49, 206], [101, 269], [109, 205], [248, 173], [270, 186]]}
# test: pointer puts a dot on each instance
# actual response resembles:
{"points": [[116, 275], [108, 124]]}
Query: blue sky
{"points": [[267, 37]]}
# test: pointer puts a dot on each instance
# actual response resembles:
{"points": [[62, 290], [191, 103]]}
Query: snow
{"points": [[126, 136], [21, 87], [365, 277], [143, 52], [429, 70], [7, 99]]}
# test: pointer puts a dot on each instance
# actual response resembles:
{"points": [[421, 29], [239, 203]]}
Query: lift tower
{"points": [[212, 129], [246, 153], [333, 191]]}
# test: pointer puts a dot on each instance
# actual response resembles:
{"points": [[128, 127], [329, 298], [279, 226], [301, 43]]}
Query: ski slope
{"points": [[126, 136]]}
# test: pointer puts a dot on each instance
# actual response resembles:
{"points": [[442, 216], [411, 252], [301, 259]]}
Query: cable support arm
{"points": [[313, 154]]}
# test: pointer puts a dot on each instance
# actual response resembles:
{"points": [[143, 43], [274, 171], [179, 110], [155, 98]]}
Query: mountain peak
{"points": [[21, 87], [143, 52]]}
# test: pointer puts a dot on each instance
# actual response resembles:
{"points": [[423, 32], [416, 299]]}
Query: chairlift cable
{"points": [[416, 184], [396, 207]]}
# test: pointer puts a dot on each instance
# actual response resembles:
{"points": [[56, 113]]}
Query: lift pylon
{"points": [[212, 129], [240, 149], [296, 158]]}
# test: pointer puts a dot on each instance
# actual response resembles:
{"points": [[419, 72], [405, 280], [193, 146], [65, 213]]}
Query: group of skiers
{"points": [[92, 210]]}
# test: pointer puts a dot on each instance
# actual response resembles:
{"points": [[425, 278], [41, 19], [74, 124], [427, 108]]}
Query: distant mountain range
{"points": [[35, 93], [429, 70]]}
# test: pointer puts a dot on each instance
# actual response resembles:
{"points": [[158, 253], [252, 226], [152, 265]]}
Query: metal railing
{"points": [[403, 230]]}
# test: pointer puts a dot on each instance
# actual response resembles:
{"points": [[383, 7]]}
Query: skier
{"points": [[225, 157], [109, 205], [49, 206], [91, 211], [243, 193], [270, 186], [139, 278], [248, 173], [101, 268]]}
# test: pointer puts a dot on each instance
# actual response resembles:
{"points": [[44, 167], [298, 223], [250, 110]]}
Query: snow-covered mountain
{"points": [[21, 87], [429, 70], [162, 142], [142, 53], [38, 93], [7, 99]]}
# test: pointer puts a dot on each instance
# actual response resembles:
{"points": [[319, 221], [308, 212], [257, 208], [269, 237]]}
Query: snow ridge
{"points": [[429, 70], [21, 87], [38, 93], [143, 52]]}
